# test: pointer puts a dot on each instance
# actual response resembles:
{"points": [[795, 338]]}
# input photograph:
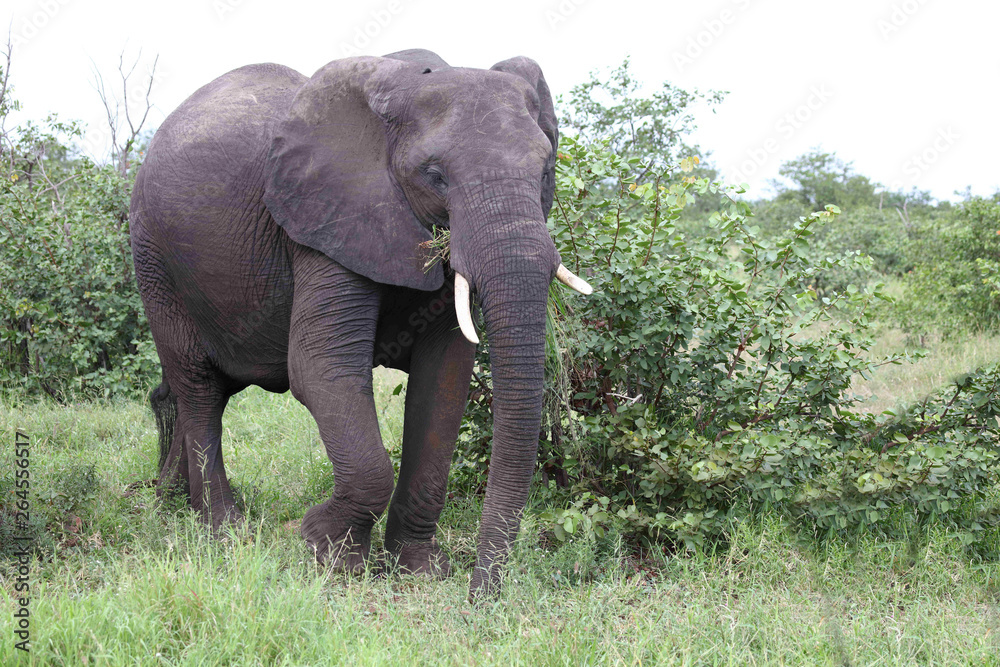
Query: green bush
{"points": [[705, 378], [71, 319], [952, 285]]}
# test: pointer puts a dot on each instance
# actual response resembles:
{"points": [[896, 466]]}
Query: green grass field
{"points": [[123, 582]]}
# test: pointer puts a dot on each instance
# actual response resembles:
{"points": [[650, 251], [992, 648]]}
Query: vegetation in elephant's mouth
{"points": [[437, 249]]}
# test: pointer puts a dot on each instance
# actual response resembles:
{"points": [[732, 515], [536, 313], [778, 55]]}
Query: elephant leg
{"points": [[199, 436], [174, 473], [334, 318], [193, 465], [440, 371]]}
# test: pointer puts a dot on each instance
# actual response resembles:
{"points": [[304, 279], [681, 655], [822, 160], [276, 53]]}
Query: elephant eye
{"points": [[435, 176]]}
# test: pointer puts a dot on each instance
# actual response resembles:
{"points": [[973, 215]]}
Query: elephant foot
{"points": [[173, 489], [422, 558], [223, 516], [341, 547], [176, 494], [218, 509]]}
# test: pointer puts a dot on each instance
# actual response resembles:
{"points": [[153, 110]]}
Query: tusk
{"points": [[567, 277], [462, 309]]}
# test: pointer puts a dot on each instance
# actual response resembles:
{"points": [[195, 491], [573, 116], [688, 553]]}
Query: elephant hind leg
{"points": [[173, 466], [164, 405], [197, 446], [174, 482], [189, 402], [191, 465]]}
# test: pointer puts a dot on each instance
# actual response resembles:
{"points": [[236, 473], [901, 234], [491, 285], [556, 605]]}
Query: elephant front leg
{"points": [[339, 529], [330, 350], [440, 371]]}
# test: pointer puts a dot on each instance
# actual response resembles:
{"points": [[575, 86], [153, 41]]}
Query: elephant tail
{"points": [[164, 404]]}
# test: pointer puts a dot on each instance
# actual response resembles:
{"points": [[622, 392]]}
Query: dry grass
{"points": [[896, 385]]}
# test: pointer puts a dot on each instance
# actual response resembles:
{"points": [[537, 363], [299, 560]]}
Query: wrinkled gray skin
{"points": [[275, 230]]}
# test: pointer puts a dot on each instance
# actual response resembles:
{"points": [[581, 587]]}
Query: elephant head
{"points": [[376, 152]]}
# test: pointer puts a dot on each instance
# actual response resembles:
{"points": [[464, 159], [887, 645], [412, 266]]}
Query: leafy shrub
{"points": [[655, 128], [886, 235], [704, 378], [950, 287], [989, 270], [71, 319]]}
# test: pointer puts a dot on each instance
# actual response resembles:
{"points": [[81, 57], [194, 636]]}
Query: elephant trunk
{"points": [[514, 313], [501, 245]]}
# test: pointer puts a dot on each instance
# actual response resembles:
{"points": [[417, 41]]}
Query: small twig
{"points": [[606, 394], [929, 428], [631, 400], [760, 387], [572, 238], [759, 418], [739, 351], [3, 94], [618, 224], [52, 257], [122, 150], [438, 248], [482, 385], [656, 220], [54, 187]]}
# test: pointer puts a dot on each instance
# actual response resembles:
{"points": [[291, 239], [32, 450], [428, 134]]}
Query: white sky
{"points": [[906, 89]]}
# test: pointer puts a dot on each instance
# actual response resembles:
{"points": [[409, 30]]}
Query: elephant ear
{"points": [[327, 175], [528, 69]]}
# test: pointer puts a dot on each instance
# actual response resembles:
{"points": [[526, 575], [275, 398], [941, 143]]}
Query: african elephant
{"points": [[279, 227]]}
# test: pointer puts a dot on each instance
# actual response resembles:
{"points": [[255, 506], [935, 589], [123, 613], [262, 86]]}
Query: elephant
{"points": [[280, 228]]}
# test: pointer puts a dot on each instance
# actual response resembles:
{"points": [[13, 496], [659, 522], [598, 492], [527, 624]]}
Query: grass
{"points": [[945, 360], [122, 582]]}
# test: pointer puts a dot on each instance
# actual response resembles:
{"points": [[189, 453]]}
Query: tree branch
{"points": [[121, 145]]}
